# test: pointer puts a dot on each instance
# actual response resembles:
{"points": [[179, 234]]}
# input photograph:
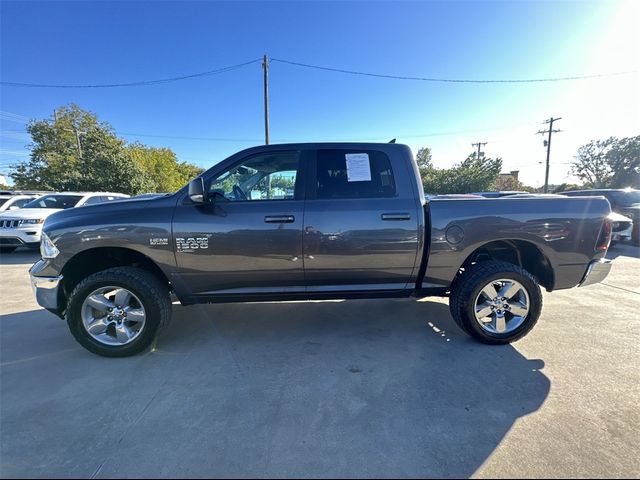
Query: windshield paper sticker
{"points": [[191, 244], [358, 167]]}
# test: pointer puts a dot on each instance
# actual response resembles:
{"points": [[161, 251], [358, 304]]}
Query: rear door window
{"points": [[95, 200], [354, 174]]}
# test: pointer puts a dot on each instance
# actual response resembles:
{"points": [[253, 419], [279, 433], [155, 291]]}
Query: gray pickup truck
{"points": [[313, 221]]}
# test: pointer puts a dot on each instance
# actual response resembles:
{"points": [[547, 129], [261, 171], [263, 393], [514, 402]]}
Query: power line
{"points": [[19, 153], [292, 140], [133, 84], [13, 117], [318, 67], [455, 80], [177, 137]]}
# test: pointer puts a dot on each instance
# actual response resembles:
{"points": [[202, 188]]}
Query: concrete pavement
{"points": [[380, 388]]}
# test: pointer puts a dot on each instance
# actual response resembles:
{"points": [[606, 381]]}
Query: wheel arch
{"points": [[96, 259], [518, 252]]}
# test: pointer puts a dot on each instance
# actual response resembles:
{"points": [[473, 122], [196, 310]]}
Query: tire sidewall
{"points": [[74, 317], [535, 306]]}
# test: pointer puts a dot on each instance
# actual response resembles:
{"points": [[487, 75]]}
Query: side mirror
{"points": [[197, 193], [14, 208]]}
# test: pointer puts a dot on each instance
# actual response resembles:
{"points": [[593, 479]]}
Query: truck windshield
{"points": [[3, 201], [54, 201]]}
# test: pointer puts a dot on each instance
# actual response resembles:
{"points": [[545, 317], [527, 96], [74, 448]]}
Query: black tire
{"points": [[7, 249], [467, 286], [153, 295]]}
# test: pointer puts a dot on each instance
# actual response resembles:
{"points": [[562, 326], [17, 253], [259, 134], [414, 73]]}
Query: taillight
{"points": [[605, 236]]}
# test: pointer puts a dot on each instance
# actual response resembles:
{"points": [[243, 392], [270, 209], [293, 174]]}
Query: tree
{"points": [[161, 167], [471, 175], [565, 187], [610, 163], [425, 164], [423, 158], [624, 160], [509, 182], [76, 151]]}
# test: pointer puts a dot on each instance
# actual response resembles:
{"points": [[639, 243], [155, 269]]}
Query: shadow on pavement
{"points": [[20, 256], [382, 388], [623, 250]]}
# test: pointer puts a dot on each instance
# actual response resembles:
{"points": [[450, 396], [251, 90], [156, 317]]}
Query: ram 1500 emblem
{"points": [[190, 244]]}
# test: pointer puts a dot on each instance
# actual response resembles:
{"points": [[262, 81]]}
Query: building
{"points": [[504, 177]]}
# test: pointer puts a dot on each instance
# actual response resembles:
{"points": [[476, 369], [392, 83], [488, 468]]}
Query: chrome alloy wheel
{"points": [[501, 306], [113, 316]]}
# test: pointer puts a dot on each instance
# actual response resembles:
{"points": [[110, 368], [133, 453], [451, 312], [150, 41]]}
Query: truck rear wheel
{"points": [[118, 312], [496, 302]]}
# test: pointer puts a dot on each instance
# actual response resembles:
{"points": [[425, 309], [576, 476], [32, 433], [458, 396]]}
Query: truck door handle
{"points": [[279, 219], [396, 216]]}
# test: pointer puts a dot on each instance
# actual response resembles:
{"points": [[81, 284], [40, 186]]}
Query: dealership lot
{"points": [[338, 388]]}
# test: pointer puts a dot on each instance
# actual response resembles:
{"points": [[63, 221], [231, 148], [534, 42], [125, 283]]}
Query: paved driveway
{"points": [[352, 388]]}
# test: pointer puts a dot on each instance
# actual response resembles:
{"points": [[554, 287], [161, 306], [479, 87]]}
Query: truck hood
{"points": [[29, 213], [94, 214], [616, 217], [633, 211]]}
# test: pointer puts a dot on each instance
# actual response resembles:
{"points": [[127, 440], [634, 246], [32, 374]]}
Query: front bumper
{"points": [[623, 235], [596, 272], [46, 291], [19, 236]]}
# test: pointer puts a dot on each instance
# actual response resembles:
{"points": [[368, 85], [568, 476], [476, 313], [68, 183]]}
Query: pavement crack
{"points": [[95, 474], [620, 288]]}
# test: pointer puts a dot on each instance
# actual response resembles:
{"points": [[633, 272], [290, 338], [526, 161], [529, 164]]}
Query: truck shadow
{"points": [[21, 256], [379, 388], [623, 250]]}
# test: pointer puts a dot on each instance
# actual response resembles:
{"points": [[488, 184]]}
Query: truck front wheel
{"points": [[496, 302], [118, 312]]}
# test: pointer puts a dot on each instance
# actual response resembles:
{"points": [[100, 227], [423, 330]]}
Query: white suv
{"points": [[23, 227], [14, 202]]}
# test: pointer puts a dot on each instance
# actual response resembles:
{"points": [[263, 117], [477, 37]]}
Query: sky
{"points": [[105, 42]]}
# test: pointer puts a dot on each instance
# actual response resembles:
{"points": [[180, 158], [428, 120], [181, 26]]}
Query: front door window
{"points": [[269, 176]]}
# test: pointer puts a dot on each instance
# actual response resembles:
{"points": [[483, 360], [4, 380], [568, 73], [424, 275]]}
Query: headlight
{"points": [[32, 221], [47, 247]]}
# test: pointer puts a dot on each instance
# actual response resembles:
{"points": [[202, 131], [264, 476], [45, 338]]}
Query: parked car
{"points": [[622, 228], [625, 201], [23, 227], [14, 202], [355, 226]]}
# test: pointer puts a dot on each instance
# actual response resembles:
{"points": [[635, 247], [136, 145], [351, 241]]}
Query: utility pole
{"points": [[548, 145], [480, 145], [77, 132], [265, 67], [73, 129]]}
